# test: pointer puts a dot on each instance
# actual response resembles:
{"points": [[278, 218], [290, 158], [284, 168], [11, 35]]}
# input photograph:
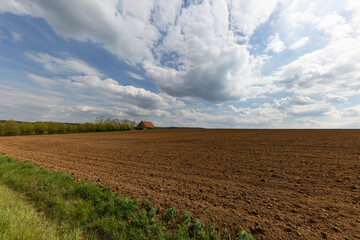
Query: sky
{"points": [[214, 64]]}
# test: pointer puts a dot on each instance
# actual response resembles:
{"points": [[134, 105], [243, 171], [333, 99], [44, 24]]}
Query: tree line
{"points": [[13, 128]]}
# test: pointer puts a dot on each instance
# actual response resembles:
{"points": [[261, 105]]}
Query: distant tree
{"points": [[61, 128], [52, 127], [40, 127], [100, 127], [92, 127], [100, 119], [79, 128], [110, 126], [26, 128], [1, 129], [11, 128], [69, 128], [127, 121]]}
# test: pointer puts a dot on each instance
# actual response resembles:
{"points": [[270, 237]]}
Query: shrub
{"points": [[79, 128], [26, 128], [40, 127], [61, 128], [11, 128], [1, 129], [52, 127], [100, 127]]}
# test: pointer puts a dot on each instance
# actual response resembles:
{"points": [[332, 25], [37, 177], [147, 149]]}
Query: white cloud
{"points": [[135, 75], [275, 44], [204, 51], [42, 81], [335, 26], [194, 48], [128, 36], [300, 43], [354, 7], [63, 66], [335, 99], [80, 77], [246, 16], [353, 112], [199, 57], [16, 37], [332, 69]]}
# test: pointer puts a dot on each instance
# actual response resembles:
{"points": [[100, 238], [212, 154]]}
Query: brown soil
{"points": [[276, 184]]}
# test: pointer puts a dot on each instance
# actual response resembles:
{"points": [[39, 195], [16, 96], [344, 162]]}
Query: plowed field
{"points": [[276, 184]]}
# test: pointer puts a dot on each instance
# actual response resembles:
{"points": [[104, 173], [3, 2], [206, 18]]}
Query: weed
{"points": [[170, 215]]}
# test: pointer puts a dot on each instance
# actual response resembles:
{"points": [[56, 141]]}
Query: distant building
{"points": [[145, 125]]}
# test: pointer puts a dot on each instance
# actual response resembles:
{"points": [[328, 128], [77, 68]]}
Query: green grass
{"points": [[19, 220], [93, 212]]}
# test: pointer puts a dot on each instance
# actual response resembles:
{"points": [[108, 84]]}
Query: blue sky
{"points": [[219, 64]]}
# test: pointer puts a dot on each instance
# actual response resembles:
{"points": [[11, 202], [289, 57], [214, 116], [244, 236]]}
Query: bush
{"points": [[52, 127], [26, 128], [61, 128], [40, 127], [79, 128], [11, 128], [1, 129], [100, 127]]}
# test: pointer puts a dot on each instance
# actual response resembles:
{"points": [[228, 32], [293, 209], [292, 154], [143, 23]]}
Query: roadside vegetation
{"points": [[19, 220], [91, 211], [13, 128]]}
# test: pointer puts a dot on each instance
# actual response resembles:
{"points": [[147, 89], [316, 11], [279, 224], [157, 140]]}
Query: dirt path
{"points": [[276, 184]]}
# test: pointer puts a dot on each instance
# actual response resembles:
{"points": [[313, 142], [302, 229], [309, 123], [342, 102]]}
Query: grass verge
{"points": [[19, 220], [96, 211]]}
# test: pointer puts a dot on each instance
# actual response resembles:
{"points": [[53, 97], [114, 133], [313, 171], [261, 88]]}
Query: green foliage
{"points": [[62, 128], [26, 128], [11, 128], [79, 128], [52, 127], [1, 129], [244, 236], [100, 127], [40, 128], [170, 215], [19, 220]]}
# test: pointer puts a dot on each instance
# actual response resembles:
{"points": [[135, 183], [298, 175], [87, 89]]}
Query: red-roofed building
{"points": [[145, 125]]}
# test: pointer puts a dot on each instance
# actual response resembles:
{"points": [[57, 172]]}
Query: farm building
{"points": [[145, 125]]}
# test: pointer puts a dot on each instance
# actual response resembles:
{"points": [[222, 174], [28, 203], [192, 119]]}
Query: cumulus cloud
{"points": [[352, 111], [298, 44], [77, 76], [199, 57], [335, 99], [303, 106], [335, 26], [194, 48], [246, 16], [274, 44], [127, 34], [331, 69], [207, 50]]}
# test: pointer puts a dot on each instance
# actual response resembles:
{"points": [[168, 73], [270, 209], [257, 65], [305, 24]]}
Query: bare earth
{"points": [[276, 184]]}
